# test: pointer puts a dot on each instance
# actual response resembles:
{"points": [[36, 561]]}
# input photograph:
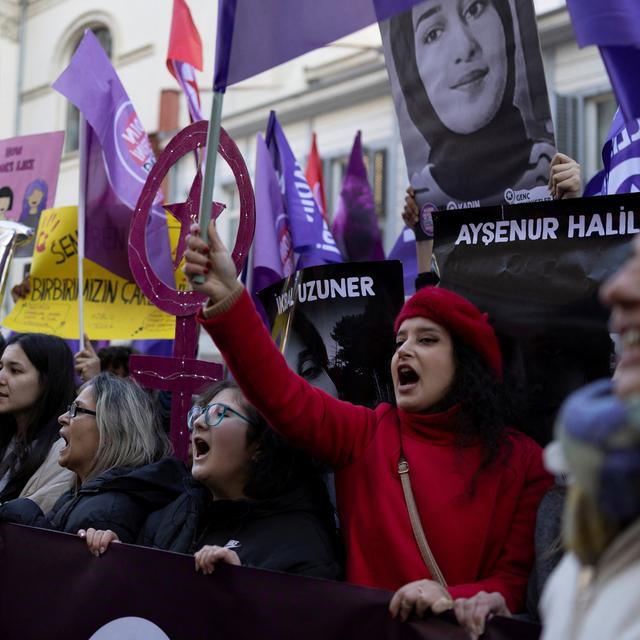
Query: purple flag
{"points": [[405, 250], [621, 159], [311, 236], [272, 248], [118, 158], [355, 225], [614, 26], [254, 35]]}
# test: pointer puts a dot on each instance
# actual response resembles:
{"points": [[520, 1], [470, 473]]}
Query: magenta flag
{"points": [[355, 225], [118, 157]]}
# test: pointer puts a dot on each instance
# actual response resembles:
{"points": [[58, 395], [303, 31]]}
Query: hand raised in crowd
{"points": [[213, 261], [411, 213], [419, 596], [98, 540], [210, 555], [472, 613], [22, 290], [87, 363], [564, 177]]}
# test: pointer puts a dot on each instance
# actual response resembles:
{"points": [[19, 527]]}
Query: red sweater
{"points": [[484, 542]]}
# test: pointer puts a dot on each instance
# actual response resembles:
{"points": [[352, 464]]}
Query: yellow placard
{"points": [[114, 308]]}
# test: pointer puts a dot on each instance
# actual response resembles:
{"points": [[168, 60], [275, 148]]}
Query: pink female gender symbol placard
{"points": [[183, 374]]}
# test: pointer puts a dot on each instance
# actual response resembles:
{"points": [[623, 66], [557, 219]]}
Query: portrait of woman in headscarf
{"points": [[461, 70]]}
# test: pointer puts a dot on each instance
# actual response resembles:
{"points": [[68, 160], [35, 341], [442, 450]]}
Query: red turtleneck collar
{"points": [[438, 428]]}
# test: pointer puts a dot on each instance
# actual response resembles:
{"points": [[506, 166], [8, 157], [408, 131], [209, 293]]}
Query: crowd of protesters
{"points": [[441, 499]]}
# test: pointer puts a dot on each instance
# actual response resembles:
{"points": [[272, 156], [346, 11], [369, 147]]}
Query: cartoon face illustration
{"points": [[6, 201], [35, 199]]}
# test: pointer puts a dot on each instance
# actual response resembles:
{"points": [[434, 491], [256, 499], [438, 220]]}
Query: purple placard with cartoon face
{"points": [[29, 168]]}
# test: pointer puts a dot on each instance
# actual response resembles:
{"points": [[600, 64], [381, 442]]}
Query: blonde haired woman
{"points": [[119, 454]]}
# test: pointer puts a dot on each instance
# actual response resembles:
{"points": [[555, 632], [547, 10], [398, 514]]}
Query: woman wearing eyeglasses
{"points": [[119, 455], [254, 500]]}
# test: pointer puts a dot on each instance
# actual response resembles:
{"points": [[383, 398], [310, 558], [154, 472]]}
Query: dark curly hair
{"points": [[487, 409], [277, 466]]}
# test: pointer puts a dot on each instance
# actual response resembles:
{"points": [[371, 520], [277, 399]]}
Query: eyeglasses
{"points": [[73, 410], [214, 413]]}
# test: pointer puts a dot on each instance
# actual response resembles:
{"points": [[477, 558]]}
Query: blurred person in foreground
{"points": [[593, 593]]}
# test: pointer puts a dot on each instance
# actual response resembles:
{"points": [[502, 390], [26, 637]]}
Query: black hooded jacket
{"points": [[287, 533], [119, 499]]}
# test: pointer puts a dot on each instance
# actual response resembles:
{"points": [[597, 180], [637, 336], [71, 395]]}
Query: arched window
{"points": [[72, 123]]}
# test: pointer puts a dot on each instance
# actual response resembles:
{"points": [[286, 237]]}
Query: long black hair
{"points": [[465, 166], [52, 358]]}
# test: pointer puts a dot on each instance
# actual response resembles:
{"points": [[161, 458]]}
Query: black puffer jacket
{"points": [[288, 533], [119, 499]]}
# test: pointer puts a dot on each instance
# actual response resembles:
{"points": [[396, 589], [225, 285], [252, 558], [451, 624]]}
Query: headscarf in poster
{"points": [[471, 100]]}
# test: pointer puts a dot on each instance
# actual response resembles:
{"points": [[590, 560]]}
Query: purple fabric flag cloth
{"points": [[614, 26], [310, 235], [355, 225], [621, 159], [254, 35], [118, 158], [405, 250], [153, 347], [272, 248]]}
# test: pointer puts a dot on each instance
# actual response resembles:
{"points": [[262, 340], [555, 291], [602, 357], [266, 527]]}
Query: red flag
{"points": [[185, 55], [184, 40], [315, 179]]}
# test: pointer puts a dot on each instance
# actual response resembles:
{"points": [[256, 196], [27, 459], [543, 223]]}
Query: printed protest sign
{"points": [[136, 592], [29, 168], [115, 308], [471, 100], [536, 269], [334, 325]]}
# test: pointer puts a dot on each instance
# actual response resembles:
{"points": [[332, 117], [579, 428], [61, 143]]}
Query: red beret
{"points": [[459, 317]]}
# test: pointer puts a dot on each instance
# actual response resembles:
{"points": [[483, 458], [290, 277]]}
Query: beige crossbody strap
{"points": [[416, 525]]}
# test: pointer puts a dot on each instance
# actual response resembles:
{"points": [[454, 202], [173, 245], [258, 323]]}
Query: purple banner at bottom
{"points": [[51, 587]]}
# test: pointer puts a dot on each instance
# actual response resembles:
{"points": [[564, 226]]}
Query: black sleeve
{"points": [[427, 279]]}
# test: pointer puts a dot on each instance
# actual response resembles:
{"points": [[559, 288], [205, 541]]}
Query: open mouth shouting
{"points": [[407, 378], [200, 448]]}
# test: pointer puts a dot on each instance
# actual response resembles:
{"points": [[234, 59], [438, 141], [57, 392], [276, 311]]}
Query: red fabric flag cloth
{"points": [[185, 44], [315, 179]]}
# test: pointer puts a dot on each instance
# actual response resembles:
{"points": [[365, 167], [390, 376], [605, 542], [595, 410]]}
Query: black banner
{"points": [[536, 268], [334, 325], [51, 587]]}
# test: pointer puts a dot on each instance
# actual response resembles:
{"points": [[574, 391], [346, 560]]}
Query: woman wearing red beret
{"points": [[476, 483]]}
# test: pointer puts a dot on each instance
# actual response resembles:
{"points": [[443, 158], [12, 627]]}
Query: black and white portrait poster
{"points": [[536, 269], [334, 325], [471, 99]]}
